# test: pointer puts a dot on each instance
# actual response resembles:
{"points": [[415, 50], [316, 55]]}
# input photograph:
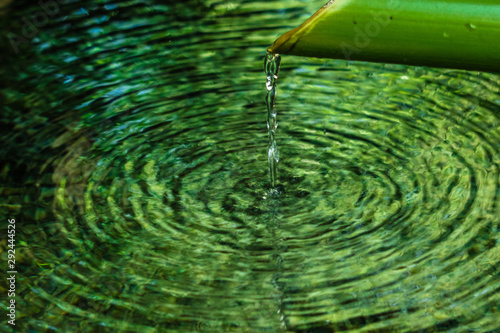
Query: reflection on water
{"points": [[134, 161]]}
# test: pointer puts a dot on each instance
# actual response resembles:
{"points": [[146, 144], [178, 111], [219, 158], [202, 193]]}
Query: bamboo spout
{"points": [[461, 34]]}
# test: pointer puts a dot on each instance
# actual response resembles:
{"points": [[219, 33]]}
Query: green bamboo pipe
{"points": [[460, 34]]}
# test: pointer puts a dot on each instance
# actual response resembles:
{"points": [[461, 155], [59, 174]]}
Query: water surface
{"points": [[135, 155]]}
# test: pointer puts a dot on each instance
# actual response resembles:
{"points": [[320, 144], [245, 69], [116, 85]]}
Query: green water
{"points": [[135, 161]]}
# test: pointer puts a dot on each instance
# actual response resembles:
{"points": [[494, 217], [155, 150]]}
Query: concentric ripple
{"points": [[399, 203], [136, 166]]}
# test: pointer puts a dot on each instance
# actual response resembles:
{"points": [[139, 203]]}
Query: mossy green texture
{"points": [[461, 34]]}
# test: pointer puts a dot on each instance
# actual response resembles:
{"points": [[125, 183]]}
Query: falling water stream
{"points": [[134, 162], [272, 67]]}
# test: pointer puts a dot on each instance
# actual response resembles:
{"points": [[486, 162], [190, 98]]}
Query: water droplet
{"points": [[471, 26]]}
